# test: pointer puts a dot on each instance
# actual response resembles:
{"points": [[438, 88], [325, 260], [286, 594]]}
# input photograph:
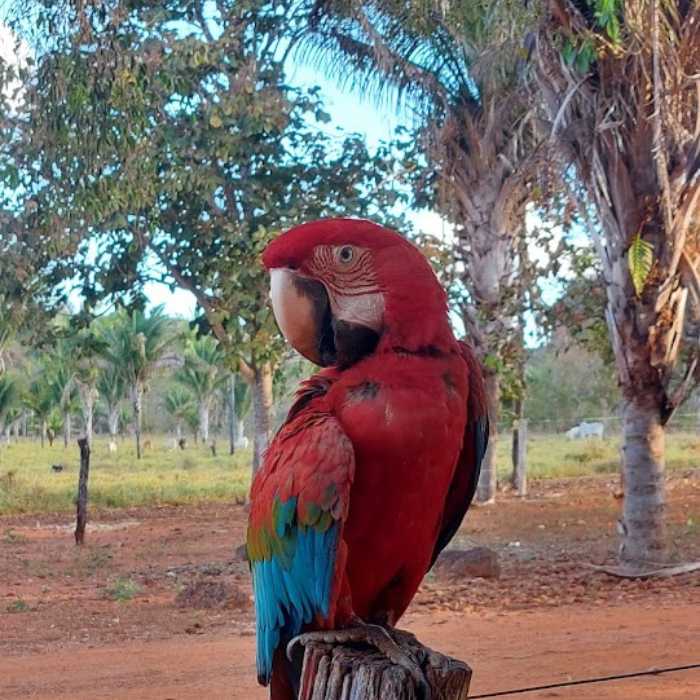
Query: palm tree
{"points": [[12, 421], [179, 404], [6, 335], [237, 398], [54, 425], [619, 86], [86, 347], [61, 372], [39, 399], [137, 343], [9, 397], [473, 129], [111, 386], [202, 375], [192, 420]]}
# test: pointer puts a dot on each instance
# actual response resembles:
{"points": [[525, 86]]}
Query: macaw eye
{"points": [[346, 254]]}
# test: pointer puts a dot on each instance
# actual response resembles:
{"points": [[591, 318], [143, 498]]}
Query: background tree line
{"points": [[132, 373], [531, 125], [101, 379]]}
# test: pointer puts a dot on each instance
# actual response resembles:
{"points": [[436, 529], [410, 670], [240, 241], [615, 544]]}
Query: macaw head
{"points": [[342, 287]]}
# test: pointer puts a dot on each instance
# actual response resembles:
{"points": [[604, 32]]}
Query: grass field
{"points": [[555, 456], [165, 476]]}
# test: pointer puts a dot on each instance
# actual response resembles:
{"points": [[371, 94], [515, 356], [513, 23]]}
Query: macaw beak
{"points": [[303, 315]]}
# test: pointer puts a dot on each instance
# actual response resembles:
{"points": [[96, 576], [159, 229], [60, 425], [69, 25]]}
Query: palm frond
{"points": [[381, 50]]}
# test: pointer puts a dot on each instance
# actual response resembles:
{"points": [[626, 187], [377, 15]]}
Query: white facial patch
{"points": [[361, 309]]}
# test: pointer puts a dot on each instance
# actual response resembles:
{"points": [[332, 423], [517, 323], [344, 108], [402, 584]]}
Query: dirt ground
{"points": [[122, 617]]}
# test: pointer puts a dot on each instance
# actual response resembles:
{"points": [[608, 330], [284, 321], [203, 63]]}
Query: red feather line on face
{"points": [[355, 278]]}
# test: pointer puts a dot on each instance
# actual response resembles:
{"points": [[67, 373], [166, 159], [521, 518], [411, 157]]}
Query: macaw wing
{"points": [[475, 442], [299, 503]]}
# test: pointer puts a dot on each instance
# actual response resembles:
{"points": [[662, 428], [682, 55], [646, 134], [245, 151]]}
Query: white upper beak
{"points": [[296, 313]]}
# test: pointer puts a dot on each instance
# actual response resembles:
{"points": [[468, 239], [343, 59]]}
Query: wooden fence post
{"points": [[521, 461], [337, 672], [81, 502]]}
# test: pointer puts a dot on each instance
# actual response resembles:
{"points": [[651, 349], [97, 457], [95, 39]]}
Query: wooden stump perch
{"points": [[352, 672]]}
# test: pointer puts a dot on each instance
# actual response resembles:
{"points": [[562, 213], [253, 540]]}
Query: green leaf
{"points": [[568, 52], [640, 258], [585, 57], [493, 362]]}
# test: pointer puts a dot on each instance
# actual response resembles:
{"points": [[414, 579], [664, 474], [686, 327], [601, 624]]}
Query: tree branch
{"points": [[247, 372], [203, 299], [203, 22]]}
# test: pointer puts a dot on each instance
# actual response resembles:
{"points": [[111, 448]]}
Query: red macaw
{"points": [[376, 464]]}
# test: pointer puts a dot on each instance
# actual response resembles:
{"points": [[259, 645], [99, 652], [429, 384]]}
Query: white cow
{"points": [[586, 430]]}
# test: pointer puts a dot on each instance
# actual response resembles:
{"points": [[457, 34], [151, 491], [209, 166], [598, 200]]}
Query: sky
{"points": [[9, 52]]}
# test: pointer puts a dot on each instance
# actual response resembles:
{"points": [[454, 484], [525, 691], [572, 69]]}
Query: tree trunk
{"points": [[81, 501], [67, 428], [113, 422], [643, 523], [43, 432], [645, 342], [262, 409], [232, 422], [492, 215], [337, 672], [138, 410], [204, 420], [486, 488], [178, 431], [519, 414], [89, 408], [520, 480]]}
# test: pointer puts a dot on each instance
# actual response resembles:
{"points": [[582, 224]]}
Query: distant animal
{"points": [[586, 430], [182, 443], [112, 447], [378, 460], [147, 445], [57, 467]]}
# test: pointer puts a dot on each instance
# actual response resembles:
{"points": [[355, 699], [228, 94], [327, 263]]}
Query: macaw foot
{"points": [[372, 635]]}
